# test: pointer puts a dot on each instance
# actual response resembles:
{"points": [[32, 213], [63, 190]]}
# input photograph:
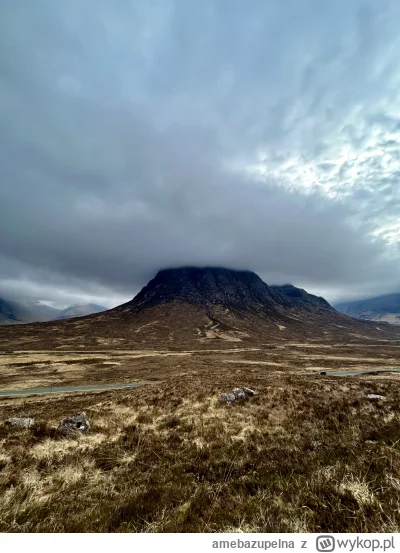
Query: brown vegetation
{"points": [[308, 453]]}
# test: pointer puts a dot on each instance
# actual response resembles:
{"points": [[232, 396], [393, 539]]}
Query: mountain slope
{"points": [[19, 312], [306, 299], [381, 308], [7, 314]]}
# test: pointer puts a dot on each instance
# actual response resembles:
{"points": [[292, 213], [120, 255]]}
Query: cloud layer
{"points": [[136, 136]]}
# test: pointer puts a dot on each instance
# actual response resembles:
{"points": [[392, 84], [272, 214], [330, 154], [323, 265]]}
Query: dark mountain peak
{"points": [[302, 296], [208, 285], [289, 290], [240, 290]]}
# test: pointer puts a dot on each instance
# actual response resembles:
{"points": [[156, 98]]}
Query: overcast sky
{"points": [[139, 135]]}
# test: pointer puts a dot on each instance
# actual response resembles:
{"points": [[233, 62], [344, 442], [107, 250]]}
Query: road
{"points": [[361, 371], [68, 389]]}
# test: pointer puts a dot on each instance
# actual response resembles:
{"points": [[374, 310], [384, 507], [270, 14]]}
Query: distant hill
{"points": [[382, 308], [13, 312], [80, 311], [20, 312]]}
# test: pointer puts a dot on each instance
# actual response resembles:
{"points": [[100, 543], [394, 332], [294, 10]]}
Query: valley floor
{"points": [[308, 453]]}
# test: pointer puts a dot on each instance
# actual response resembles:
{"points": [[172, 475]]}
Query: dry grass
{"points": [[306, 454]]}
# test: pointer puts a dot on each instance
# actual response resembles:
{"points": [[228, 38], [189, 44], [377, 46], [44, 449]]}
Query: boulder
{"points": [[74, 425], [227, 398], [21, 422], [236, 395]]}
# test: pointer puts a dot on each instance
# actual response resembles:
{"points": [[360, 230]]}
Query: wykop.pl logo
{"points": [[325, 544]]}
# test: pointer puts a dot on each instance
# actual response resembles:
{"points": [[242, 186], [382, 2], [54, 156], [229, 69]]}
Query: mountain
{"points": [[223, 303], [302, 296], [202, 308], [80, 311], [19, 312], [7, 315], [208, 286], [381, 308], [13, 312]]}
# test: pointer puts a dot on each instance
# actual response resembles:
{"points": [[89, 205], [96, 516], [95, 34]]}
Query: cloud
{"points": [[139, 136]]}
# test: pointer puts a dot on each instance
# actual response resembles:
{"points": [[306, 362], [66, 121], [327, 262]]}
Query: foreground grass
{"points": [[306, 454]]}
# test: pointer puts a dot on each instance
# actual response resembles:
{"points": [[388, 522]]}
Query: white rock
{"points": [[249, 391], [21, 422]]}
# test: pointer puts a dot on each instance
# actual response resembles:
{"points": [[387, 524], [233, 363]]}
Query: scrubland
{"points": [[308, 453]]}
